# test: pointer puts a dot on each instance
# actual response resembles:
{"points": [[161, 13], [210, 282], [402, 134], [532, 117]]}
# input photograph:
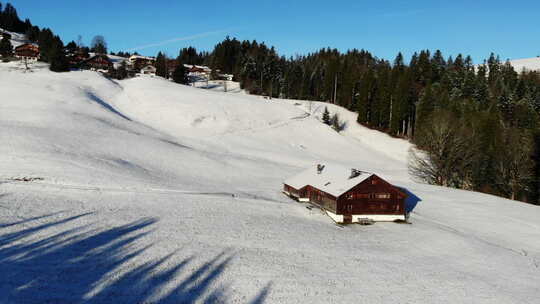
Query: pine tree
{"points": [[326, 116], [161, 66], [58, 59], [6, 49], [180, 74]]}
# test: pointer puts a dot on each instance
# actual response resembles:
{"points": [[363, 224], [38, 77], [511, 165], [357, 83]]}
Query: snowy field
{"points": [[151, 192]]}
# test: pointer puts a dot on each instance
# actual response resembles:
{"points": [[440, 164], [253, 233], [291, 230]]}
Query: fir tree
{"points": [[161, 66], [57, 57], [6, 49], [326, 116], [180, 74]]}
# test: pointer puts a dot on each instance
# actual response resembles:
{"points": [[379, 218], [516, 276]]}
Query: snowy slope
{"points": [[16, 38], [528, 64], [156, 192]]}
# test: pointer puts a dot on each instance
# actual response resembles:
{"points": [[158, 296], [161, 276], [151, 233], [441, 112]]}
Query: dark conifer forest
{"points": [[477, 124]]}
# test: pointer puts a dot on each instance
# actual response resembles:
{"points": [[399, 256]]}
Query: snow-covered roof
{"points": [[149, 68], [134, 57], [202, 67], [332, 179]]}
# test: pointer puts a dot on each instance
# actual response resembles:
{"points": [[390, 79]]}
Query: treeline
{"points": [[478, 125]]}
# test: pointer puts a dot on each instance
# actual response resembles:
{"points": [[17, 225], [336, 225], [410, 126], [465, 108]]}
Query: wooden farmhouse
{"points": [[348, 195], [137, 62], [198, 70], [97, 62], [77, 58], [27, 51]]}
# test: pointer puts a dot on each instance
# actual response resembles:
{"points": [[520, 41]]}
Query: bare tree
{"points": [[514, 164], [80, 43], [99, 45], [448, 153]]}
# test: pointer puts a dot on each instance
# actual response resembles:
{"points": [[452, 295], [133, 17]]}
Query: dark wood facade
{"points": [[98, 62], [27, 50], [140, 62], [372, 196], [76, 58]]}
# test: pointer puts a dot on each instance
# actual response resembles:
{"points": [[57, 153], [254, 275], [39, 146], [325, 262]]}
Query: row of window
{"points": [[352, 196], [376, 206]]}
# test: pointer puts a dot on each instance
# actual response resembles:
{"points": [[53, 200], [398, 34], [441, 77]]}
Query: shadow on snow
{"points": [[86, 265], [411, 201]]}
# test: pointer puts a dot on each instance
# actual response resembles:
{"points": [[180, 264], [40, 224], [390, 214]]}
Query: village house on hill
{"points": [[98, 62], [27, 51], [348, 195], [137, 62]]}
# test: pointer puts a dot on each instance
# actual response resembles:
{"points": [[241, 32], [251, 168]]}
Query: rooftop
{"points": [[332, 179]]}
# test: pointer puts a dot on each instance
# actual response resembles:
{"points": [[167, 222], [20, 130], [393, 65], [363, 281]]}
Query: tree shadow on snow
{"points": [[105, 105], [51, 263]]}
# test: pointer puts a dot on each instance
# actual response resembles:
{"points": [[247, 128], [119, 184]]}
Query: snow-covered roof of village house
{"points": [[133, 57], [202, 67], [332, 179]]}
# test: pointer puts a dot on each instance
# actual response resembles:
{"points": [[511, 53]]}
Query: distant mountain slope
{"points": [[528, 64], [161, 193]]}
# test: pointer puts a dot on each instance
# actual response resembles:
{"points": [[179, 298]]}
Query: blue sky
{"points": [[510, 29]]}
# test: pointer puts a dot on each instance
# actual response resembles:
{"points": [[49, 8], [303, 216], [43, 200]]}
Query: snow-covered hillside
{"points": [[16, 38], [157, 192], [527, 64]]}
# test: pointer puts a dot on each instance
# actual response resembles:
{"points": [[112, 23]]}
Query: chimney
{"points": [[320, 168], [355, 173]]}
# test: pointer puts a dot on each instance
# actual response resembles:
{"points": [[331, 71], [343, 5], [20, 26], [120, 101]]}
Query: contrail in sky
{"points": [[200, 35]]}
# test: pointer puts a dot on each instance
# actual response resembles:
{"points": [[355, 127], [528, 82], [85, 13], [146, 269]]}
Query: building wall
{"points": [[321, 198], [373, 196]]}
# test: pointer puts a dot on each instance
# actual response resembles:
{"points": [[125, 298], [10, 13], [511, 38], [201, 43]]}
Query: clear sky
{"points": [[385, 27]]}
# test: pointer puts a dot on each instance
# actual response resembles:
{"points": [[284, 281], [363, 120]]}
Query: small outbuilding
{"points": [[348, 195]]}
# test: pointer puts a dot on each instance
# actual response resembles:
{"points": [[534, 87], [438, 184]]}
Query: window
{"points": [[382, 195], [373, 181], [350, 196]]}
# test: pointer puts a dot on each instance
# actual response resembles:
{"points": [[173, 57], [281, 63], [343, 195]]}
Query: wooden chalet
{"points": [[76, 58], [348, 195], [137, 62], [27, 51], [97, 62], [198, 70]]}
